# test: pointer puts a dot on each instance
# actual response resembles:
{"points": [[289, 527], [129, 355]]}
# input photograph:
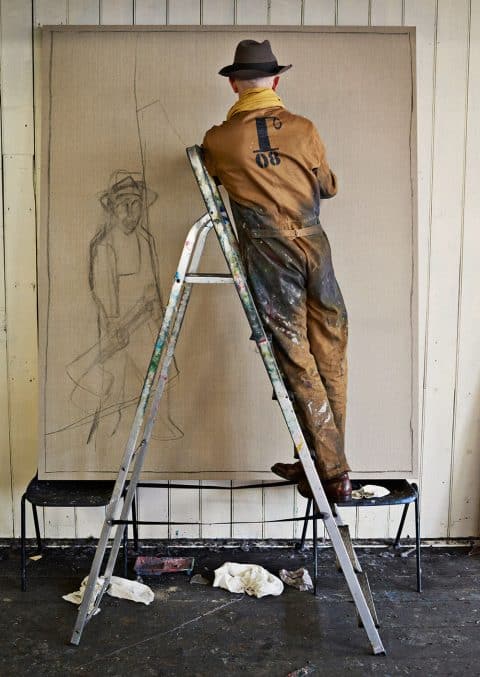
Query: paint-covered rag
{"points": [[250, 578], [255, 98], [119, 587], [300, 579], [370, 491]]}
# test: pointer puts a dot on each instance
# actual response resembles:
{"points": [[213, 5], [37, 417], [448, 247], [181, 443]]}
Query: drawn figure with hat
{"points": [[273, 166], [123, 280]]}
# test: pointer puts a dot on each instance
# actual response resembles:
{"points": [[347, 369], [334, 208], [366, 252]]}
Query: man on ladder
{"points": [[285, 278], [272, 164]]}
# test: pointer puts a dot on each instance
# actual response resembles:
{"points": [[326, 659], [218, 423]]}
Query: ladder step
{"points": [[208, 278], [367, 593], [346, 538]]}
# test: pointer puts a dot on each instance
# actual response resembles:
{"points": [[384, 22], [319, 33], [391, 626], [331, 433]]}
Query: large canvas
{"points": [[119, 107]]}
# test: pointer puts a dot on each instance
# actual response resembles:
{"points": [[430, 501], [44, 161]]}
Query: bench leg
{"points": [[135, 525], [301, 545], [23, 559], [37, 529], [396, 543], [417, 539], [315, 551], [125, 551]]}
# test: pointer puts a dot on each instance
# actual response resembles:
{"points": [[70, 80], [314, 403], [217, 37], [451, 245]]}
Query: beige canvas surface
{"points": [[126, 103]]}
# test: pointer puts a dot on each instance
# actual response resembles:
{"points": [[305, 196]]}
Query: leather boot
{"points": [[293, 472], [337, 488]]}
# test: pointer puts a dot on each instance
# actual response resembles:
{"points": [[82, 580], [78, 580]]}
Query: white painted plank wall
{"points": [[447, 205], [448, 79], [465, 477], [217, 12], [148, 12]]}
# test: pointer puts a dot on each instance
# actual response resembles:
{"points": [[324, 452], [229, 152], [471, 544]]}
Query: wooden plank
{"points": [[465, 485], [287, 12], [153, 505], [353, 13], [182, 12], [221, 12], [6, 500], [116, 12], [149, 12], [448, 177], [57, 521], [87, 521], [319, 12], [247, 507], [279, 504], [19, 243], [375, 523], [84, 12], [252, 12], [386, 12], [216, 506], [49, 12], [16, 76], [185, 506], [423, 16], [20, 266]]}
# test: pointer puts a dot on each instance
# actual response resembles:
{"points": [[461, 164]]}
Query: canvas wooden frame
{"points": [[241, 432]]}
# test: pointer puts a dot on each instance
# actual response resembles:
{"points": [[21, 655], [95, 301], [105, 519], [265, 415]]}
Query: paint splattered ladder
{"points": [[154, 385]]}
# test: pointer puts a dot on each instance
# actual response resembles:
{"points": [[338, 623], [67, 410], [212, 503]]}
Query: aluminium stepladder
{"points": [[154, 385]]}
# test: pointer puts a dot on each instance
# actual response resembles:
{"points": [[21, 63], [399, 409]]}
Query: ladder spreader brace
{"points": [[156, 377]]}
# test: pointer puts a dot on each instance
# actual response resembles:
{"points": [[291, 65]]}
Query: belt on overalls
{"points": [[290, 234]]}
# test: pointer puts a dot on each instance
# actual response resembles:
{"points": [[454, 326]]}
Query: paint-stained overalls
{"points": [[272, 164]]}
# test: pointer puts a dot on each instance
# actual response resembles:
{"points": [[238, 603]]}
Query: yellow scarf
{"points": [[254, 99]]}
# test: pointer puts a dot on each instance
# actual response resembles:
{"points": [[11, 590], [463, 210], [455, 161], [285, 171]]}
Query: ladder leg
{"points": [[354, 585], [161, 383], [315, 552], [197, 233], [140, 453], [229, 245]]}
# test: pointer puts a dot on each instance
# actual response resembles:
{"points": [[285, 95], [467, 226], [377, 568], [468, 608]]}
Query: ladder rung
{"points": [[346, 538], [367, 593], [209, 278]]}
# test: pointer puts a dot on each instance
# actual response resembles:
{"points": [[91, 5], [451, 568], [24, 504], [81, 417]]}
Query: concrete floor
{"points": [[200, 630]]}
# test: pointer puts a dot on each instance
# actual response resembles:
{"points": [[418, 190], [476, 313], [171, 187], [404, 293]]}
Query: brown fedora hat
{"points": [[253, 60]]}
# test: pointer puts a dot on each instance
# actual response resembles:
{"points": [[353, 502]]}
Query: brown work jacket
{"points": [[272, 164]]}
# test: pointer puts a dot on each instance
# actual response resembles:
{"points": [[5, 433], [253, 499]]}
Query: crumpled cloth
{"points": [[119, 587], [250, 578], [300, 579], [370, 491]]}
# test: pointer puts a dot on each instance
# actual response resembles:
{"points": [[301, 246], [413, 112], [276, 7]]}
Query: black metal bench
{"points": [[401, 493], [63, 494]]}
